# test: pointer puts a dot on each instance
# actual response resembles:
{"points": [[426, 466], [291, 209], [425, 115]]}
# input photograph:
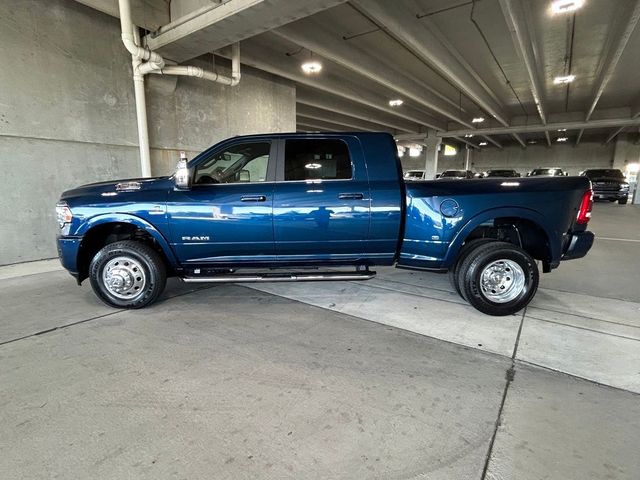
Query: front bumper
{"points": [[68, 253], [610, 195], [579, 245]]}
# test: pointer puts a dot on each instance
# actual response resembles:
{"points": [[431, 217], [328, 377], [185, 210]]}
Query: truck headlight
{"points": [[63, 214], [624, 186]]}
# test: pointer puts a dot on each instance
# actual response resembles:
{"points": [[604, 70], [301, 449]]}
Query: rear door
{"points": [[321, 202]]}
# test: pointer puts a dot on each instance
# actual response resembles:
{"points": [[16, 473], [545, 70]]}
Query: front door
{"points": [[321, 202], [227, 215]]}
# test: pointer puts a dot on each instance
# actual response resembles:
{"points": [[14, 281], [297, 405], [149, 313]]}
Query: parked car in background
{"points": [[456, 174], [414, 174], [608, 184], [547, 172], [500, 173]]}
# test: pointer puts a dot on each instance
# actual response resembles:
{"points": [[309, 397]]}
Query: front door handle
{"points": [[253, 198], [351, 196]]}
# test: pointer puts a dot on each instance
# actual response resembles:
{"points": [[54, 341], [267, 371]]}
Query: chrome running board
{"points": [[283, 277]]}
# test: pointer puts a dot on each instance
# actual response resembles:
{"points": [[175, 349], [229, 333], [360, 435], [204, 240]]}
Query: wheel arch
{"points": [[529, 224], [105, 229]]}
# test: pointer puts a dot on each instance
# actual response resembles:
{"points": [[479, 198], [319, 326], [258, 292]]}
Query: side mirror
{"points": [[182, 177]]}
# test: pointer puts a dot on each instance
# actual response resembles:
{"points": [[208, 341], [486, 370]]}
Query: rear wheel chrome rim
{"points": [[124, 278], [502, 281]]}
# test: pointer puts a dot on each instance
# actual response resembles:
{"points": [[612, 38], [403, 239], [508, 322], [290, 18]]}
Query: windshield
{"points": [[454, 173], [501, 173], [604, 172], [546, 171], [413, 174]]}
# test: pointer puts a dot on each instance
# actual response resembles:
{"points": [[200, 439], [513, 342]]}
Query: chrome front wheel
{"points": [[124, 278]]}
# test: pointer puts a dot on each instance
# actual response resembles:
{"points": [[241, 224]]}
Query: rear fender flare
{"points": [[517, 212]]}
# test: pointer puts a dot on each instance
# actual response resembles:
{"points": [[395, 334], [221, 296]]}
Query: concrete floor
{"points": [[392, 378]]}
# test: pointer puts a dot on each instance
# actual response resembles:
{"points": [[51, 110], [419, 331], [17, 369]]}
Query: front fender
{"points": [[134, 220], [486, 215]]}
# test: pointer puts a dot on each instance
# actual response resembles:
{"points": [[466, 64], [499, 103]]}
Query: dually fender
{"points": [[133, 220], [501, 212]]}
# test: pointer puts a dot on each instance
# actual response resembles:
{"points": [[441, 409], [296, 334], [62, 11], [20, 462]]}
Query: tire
{"points": [[514, 283], [466, 249], [127, 274], [623, 201]]}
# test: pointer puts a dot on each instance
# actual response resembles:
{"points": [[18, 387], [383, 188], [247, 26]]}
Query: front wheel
{"points": [[498, 278], [623, 201], [127, 274]]}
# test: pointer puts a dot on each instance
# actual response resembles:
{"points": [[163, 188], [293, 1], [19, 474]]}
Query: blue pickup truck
{"points": [[298, 207]]}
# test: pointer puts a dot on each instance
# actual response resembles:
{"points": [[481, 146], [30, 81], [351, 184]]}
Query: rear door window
{"points": [[321, 159]]}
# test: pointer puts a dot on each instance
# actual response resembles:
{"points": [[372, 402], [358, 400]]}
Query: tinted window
{"points": [[241, 163], [605, 172], [316, 160], [546, 171], [454, 173], [501, 173]]}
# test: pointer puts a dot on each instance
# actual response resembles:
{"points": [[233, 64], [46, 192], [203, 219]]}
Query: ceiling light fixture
{"points": [[396, 102], [477, 120], [483, 144], [562, 129], [564, 6], [562, 139], [564, 79], [469, 135], [311, 67], [532, 142]]}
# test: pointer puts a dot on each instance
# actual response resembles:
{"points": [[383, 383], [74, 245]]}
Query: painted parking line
{"points": [[618, 239]]}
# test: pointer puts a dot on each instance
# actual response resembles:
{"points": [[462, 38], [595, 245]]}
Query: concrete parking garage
{"points": [[396, 377]]}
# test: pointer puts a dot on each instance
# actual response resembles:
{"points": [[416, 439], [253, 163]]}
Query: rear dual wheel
{"points": [[497, 278]]}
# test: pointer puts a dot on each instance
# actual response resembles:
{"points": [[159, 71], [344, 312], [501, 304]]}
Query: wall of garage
{"points": [[67, 114]]}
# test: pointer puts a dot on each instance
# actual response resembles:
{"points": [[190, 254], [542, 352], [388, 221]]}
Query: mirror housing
{"points": [[182, 176]]}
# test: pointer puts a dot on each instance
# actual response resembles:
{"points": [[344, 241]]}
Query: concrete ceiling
{"points": [[449, 60]]}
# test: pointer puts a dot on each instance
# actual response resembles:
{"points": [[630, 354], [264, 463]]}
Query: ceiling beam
{"points": [[466, 142], [318, 39], [148, 14], [547, 138], [255, 54], [614, 134], [329, 126], [524, 40], [604, 123], [220, 24], [419, 38], [491, 140], [313, 98], [519, 140], [613, 54], [579, 137], [312, 128], [332, 117]]}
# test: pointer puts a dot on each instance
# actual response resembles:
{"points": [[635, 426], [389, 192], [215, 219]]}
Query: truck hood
{"points": [[113, 187]]}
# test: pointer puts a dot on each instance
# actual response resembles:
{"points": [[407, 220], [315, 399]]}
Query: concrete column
{"points": [[431, 147], [467, 157]]}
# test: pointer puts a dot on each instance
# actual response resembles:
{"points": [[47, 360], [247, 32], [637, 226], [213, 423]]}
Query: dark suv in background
{"points": [[547, 172], [500, 173], [608, 184]]}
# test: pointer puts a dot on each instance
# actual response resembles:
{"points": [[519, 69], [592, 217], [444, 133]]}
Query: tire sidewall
{"points": [[474, 271], [151, 272]]}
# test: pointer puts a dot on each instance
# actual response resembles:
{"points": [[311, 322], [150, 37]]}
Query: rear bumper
{"points": [[68, 253], [579, 245]]}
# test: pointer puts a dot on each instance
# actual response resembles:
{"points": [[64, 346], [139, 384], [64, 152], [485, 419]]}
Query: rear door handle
{"points": [[351, 196], [253, 198]]}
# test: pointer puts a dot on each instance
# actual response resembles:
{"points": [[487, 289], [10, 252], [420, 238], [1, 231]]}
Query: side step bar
{"points": [[283, 277]]}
